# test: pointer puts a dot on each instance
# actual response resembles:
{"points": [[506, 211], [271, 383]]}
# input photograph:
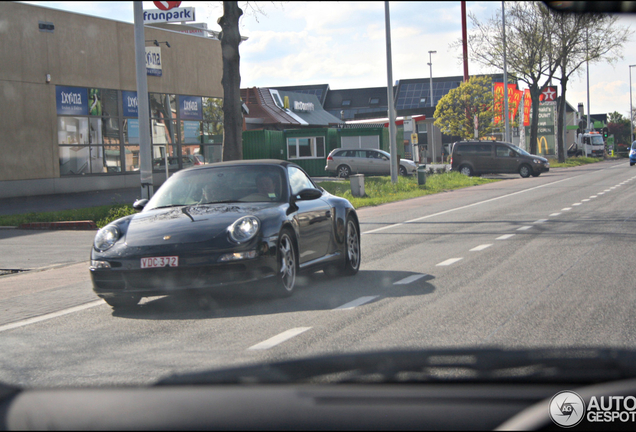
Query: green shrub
{"points": [[115, 213]]}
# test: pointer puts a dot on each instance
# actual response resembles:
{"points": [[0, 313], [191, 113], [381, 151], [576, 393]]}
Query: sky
{"points": [[343, 44]]}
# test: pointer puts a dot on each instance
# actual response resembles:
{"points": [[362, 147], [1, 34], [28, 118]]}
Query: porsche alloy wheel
{"points": [[352, 263], [287, 264]]}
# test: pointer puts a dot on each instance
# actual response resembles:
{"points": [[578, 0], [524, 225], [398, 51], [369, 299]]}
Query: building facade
{"points": [[69, 108]]}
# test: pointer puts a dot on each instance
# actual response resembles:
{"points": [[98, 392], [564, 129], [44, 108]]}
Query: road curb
{"points": [[66, 225]]}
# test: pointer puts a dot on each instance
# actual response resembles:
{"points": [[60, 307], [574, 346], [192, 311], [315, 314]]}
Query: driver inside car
{"points": [[266, 186]]}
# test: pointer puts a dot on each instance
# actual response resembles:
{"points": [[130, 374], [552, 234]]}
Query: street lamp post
{"points": [[430, 63], [631, 110]]}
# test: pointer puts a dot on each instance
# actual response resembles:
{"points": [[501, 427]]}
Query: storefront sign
{"points": [[129, 104], [71, 100], [302, 106], [133, 131], [153, 61], [173, 15], [191, 132], [190, 108]]}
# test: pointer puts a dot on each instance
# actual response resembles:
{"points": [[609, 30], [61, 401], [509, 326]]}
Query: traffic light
{"points": [[605, 133]]}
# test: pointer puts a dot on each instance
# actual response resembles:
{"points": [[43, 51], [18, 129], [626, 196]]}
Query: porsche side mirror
{"points": [[140, 204], [308, 194]]}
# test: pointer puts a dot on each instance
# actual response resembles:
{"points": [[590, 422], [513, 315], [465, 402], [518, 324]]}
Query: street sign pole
{"points": [[145, 151], [389, 89]]}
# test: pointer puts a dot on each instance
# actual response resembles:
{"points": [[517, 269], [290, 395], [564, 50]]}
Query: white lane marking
{"points": [[593, 196], [523, 228], [448, 262], [566, 209], [41, 318], [480, 247], [555, 214], [356, 302], [585, 200], [468, 206], [410, 279], [505, 237], [601, 193], [576, 204], [540, 221], [278, 339], [607, 190]]}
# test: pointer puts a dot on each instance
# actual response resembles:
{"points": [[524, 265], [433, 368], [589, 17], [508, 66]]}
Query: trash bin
{"points": [[357, 185], [421, 175]]}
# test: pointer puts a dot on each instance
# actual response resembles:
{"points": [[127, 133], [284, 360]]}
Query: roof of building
{"points": [[262, 106], [318, 90], [309, 108]]}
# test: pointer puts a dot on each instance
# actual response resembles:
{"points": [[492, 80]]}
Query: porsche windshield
{"points": [[221, 185]]}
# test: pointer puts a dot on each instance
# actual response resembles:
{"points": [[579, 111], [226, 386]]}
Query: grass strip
{"points": [[380, 190]]}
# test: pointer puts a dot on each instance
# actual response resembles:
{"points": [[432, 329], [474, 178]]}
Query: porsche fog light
{"points": [[244, 229], [238, 256], [106, 238]]}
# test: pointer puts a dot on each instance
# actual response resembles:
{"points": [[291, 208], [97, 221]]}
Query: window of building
{"points": [[374, 101], [98, 130], [306, 148], [346, 102]]}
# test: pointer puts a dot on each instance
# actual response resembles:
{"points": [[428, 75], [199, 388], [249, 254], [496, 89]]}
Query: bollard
{"points": [[421, 175], [357, 185]]}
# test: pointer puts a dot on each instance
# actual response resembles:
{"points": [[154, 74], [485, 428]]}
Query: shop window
{"points": [[162, 131], [131, 158], [159, 158], [162, 106], [191, 132], [306, 148]]}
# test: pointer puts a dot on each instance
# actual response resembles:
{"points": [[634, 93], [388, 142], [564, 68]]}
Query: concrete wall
{"points": [[82, 51]]}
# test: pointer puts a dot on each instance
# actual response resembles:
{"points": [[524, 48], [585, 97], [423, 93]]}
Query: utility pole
{"points": [[389, 89], [505, 77], [143, 110], [631, 109], [430, 63]]}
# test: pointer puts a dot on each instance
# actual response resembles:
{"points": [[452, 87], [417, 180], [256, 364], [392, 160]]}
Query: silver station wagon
{"points": [[344, 162]]}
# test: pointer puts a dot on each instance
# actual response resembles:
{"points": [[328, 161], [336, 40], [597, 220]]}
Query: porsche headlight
{"points": [[244, 229], [106, 238]]}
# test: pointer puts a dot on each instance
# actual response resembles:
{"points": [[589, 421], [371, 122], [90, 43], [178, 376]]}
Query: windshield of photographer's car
{"points": [[255, 247]]}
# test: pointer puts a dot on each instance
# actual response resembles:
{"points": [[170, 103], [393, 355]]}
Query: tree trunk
{"points": [[561, 152], [535, 92], [232, 115]]}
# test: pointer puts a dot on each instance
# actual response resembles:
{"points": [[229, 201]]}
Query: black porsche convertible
{"points": [[224, 224]]}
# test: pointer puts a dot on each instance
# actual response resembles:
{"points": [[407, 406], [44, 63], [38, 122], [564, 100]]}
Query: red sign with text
{"points": [[167, 5]]}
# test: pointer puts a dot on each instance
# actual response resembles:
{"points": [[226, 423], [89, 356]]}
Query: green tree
{"points": [[456, 111], [579, 38], [618, 126], [529, 52]]}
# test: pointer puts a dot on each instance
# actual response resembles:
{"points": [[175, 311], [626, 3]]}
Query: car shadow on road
{"points": [[314, 292]]}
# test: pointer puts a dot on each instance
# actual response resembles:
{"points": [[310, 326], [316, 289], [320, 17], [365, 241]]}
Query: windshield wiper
{"points": [[451, 365]]}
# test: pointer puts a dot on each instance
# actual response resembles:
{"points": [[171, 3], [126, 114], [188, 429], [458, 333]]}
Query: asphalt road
{"points": [[538, 262]]}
